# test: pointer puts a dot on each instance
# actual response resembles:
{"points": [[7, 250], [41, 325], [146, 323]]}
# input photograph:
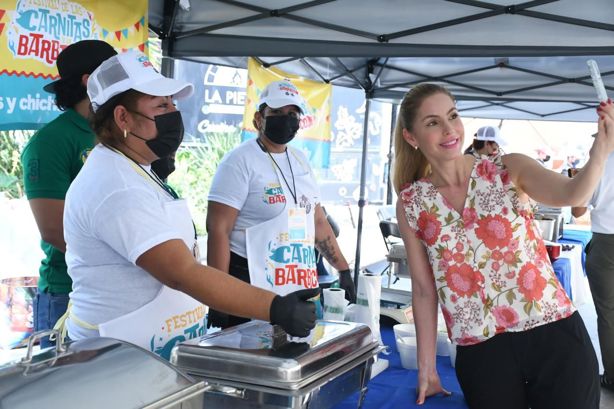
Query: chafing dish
{"points": [[244, 369], [95, 373]]}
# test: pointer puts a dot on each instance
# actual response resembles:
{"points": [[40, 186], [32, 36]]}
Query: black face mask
{"points": [[169, 136], [163, 167], [281, 129]]}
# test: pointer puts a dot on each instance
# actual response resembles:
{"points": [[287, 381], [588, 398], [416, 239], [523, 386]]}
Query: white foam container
{"points": [[442, 344], [404, 330], [452, 349], [408, 352]]}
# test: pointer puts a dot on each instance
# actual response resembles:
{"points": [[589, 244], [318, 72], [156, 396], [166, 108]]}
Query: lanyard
{"points": [[293, 193], [156, 180], [151, 176]]}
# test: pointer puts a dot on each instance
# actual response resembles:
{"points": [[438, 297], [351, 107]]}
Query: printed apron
{"points": [[280, 251], [172, 316]]}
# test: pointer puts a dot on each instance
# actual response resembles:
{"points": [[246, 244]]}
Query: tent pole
{"points": [[167, 66], [363, 182], [389, 157]]}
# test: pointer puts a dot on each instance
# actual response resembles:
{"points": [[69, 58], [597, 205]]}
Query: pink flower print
{"points": [[505, 316], [405, 185], [505, 177], [513, 246], [459, 257], [446, 255], [463, 280], [443, 265], [467, 340], [487, 170], [453, 298], [496, 266], [496, 255], [428, 227], [530, 282], [406, 196], [459, 246], [495, 231], [445, 238], [447, 317], [470, 217], [509, 257], [510, 275], [505, 210]]}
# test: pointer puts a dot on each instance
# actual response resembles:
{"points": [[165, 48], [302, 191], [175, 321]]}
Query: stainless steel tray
{"points": [[245, 354], [96, 373]]}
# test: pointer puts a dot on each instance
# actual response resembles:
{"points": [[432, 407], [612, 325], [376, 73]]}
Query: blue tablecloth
{"points": [[581, 237], [395, 388], [562, 269]]}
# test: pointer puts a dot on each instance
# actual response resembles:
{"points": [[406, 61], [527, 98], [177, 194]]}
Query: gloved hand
{"points": [[217, 319], [294, 313], [346, 283]]}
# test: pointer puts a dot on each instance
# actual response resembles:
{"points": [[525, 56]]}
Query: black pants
{"points": [[238, 269], [551, 366]]}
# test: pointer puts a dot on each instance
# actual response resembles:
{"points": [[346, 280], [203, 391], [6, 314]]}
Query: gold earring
{"points": [[125, 133]]}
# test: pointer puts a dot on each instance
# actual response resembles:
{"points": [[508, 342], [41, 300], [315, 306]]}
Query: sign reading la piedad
{"points": [[34, 32]]}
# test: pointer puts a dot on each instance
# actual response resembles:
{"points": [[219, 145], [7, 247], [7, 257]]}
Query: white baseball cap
{"points": [[490, 133], [132, 70], [281, 93]]}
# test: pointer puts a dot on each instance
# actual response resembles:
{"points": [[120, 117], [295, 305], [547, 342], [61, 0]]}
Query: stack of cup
{"points": [[334, 304]]}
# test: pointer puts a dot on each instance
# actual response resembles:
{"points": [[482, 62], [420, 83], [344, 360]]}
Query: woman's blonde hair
{"points": [[410, 164]]}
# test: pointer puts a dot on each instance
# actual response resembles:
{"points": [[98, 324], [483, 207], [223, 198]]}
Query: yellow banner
{"points": [[315, 123], [33, 32]]}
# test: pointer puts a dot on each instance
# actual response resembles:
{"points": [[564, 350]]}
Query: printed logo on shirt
{"points": [[84, 154], [292, 264], [33, 169], [305, 203], [273, 194]]}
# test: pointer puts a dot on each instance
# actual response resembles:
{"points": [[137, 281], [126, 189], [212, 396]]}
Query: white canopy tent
{"points": [[502, 60]]}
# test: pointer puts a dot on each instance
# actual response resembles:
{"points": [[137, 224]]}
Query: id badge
{"points": [[297, 223]]}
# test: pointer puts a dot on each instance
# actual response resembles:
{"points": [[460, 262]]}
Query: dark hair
{"points": [[69, 92], [103, 120], [410, 164], [478, 144]]}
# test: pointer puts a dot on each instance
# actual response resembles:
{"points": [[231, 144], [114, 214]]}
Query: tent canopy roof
{"points": [[501, 60]]}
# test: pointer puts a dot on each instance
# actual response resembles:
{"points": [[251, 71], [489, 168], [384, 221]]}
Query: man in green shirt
{"points": [[51, 160]]}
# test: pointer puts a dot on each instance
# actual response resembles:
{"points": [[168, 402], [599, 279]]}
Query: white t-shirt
{"points": [[246, 180], [112, 215], [602, 201]]}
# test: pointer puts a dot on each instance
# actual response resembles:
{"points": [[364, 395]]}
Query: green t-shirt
{"points": [[51, 160]]}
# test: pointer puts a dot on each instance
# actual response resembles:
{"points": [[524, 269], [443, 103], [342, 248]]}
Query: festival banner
{"points": [[32, 34], [314, 136]]}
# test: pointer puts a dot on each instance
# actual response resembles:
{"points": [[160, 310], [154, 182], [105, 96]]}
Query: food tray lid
{"points": [[245, 353]]}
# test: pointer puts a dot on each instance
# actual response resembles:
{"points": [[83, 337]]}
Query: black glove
{"points": [[346, 283], [294, 313], [217, 319]]}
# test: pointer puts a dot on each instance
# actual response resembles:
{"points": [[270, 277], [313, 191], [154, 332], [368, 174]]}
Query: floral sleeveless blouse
{"points": [[490, 265]]}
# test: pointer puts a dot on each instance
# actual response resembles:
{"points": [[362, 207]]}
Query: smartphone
{"points": [[597, 81]]}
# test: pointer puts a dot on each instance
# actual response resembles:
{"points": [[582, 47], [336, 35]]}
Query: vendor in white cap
{"points": [[487, 141], [131, 244], [264, 216]]}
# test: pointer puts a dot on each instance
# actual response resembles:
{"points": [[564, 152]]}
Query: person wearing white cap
{"points": [[131, 244], [264, 219], [487, 141]]}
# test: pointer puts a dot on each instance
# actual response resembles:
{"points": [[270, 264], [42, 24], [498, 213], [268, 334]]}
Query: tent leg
{"points": [[363, 182]]}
